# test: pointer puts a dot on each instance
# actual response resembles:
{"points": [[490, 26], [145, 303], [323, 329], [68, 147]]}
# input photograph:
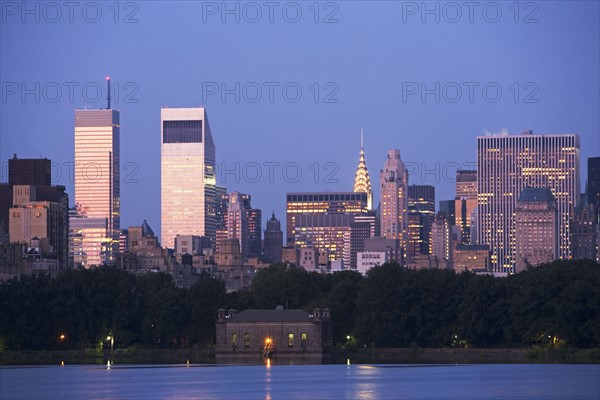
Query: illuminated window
{"points": [[246, 340], [234, 340], [303, 338], [290, 340]]}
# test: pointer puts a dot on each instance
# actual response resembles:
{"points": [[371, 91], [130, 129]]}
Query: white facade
{"points": [[187, 175], [309, 258], [365, 260], [187, 244]]}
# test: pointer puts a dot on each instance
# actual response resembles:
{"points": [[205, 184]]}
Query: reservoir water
{"points": [[491, 381]]}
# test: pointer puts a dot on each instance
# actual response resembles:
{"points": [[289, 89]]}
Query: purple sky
{"points": [[359, 70]]}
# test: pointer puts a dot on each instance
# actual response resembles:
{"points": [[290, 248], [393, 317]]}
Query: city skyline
{"points": [[364, 66]]}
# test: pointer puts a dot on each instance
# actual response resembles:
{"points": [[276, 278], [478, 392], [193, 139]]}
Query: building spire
{"points": [[362, 139], [362, 182]]}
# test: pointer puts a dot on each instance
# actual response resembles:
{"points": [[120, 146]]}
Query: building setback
{"points": [[509, 164]]}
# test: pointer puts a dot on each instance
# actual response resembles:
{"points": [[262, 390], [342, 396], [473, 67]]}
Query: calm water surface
{"points": [[302, 382]]}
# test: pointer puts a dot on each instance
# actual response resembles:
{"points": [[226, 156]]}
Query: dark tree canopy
{"points": [[557, 304]]}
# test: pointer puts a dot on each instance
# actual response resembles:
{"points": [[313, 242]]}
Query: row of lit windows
{"points": [[234, 340]]}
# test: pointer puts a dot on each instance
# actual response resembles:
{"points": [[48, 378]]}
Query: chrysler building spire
{"points": [[362, 182]]}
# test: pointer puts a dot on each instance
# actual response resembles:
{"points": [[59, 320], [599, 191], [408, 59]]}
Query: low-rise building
{"points": [[471, 257], [369, 259], [283, 336]]}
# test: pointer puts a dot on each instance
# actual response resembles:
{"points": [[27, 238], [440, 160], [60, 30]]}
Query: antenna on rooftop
{"points": [[108, 89]]}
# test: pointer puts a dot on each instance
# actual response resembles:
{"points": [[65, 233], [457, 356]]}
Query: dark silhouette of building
{"points": [[584, 230], [447, 207], [273, 243], [593, 181], [29, 171]]}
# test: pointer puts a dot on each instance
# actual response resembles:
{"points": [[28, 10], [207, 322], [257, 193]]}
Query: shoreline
{"points": [[416, 355]]}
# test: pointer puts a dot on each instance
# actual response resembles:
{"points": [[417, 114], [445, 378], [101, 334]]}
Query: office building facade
{"points": [[421, 213], [188, 182], [97, 174], [321, 203], [507, 164]]}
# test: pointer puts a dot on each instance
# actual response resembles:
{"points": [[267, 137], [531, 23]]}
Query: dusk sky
{"points": [[361, 65]]}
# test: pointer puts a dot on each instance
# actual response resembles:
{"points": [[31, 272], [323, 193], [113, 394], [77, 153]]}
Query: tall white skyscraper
{"points": [[97, 182], [507, 165], [394, 199], [187, 175]]}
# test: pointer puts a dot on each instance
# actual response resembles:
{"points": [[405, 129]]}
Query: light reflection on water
{"points": [[302, 382]]}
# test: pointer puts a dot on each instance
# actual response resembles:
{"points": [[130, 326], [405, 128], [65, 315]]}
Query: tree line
{"points": [[554, 304]]}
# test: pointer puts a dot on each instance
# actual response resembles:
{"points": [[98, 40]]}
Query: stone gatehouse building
{"points": [[284, 336]]}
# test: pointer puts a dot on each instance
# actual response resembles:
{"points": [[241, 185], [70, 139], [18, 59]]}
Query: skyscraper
{"points": [[441, 242], [465, 201], [273, 244], [394, 198], [187, 175], [362, 181], [97, 177], [421, 213], [508, 164], [239, 221]]}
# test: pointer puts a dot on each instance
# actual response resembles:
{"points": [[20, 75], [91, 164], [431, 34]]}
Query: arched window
{"points": [[290, 340], [246, 340], [234, 340], [303, 338]]}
